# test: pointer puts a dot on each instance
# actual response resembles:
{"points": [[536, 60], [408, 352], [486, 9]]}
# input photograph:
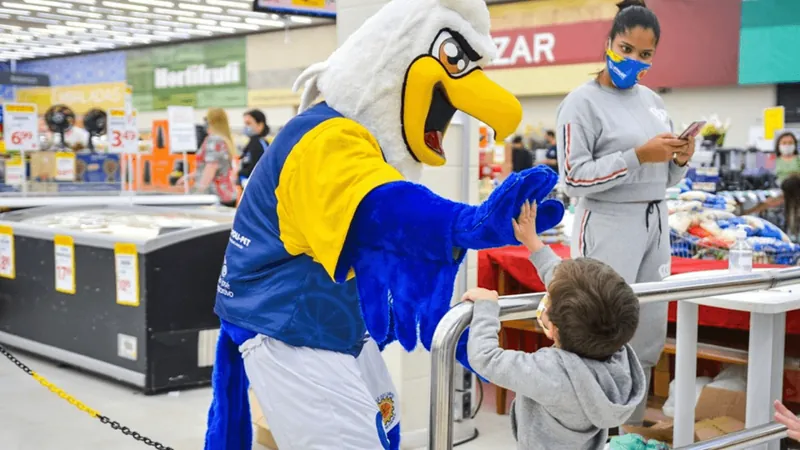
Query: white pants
{"points": [[321, 400]]}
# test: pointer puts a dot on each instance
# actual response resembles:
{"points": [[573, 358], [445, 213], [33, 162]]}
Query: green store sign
{"points": [[201, 75]]}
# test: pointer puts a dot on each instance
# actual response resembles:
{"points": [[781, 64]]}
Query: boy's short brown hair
{"points": [[595, 310]]}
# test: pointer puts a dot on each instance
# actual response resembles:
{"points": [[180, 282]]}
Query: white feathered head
{"points": [[406, 71]]}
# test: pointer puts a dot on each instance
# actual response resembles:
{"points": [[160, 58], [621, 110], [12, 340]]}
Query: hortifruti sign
{"points": [[202, 75]]}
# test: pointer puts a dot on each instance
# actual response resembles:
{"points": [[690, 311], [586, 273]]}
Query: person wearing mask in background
{"points": [[617, 153], [214, 172], [256, 128], [521, 157], [788, 162], [551, 157]]}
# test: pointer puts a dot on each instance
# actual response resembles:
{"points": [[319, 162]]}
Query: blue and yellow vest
{"points": [[263, 288]]}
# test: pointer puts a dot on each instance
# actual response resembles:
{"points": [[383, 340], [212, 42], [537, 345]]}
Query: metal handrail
{"points": [[514, 307], [742, 439]]}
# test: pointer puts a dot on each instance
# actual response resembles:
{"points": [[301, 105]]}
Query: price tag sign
{"points": [[182, 135], [65, 264], [7, 255], [126, 263], [20, 127], [65, 166], [128, 99], [15, 172], [123, 136]]}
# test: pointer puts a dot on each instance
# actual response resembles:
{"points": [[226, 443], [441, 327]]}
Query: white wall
{"points": [[742, 104]]}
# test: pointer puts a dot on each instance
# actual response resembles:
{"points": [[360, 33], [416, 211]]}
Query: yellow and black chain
{"points": [[78, 404]]}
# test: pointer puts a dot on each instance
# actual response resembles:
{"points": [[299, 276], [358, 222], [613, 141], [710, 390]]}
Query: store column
{"points": [[411, 371]]}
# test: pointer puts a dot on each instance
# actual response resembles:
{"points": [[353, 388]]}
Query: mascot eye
{"points": [[453, 58], [449, 49]]}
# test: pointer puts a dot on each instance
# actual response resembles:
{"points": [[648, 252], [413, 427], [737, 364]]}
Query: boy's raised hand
{"points": [[475, 294], [525, 228]]}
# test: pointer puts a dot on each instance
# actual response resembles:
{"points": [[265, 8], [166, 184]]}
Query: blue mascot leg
{"points": [[394, 438], [229, 426]]}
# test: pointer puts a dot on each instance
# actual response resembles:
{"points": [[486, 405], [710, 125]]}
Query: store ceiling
{"points": [[40, 28]]}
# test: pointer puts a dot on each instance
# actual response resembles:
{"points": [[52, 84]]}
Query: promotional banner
{"points": [[549, 47], [200, 75], [321, 8], [767, 47], [81, 98]]}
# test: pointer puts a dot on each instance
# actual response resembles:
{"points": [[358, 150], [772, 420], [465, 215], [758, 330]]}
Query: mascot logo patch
{"points": [[386, 406]]}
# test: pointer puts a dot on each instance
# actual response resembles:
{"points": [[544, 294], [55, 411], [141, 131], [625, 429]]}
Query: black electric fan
{"points": [[60, 119], [94, 122]]}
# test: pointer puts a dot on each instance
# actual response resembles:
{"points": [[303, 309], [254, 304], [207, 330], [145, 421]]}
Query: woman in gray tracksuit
{"points": [[617, 153]]}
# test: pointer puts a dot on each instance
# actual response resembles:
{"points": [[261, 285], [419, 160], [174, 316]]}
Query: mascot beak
{"points": [[444, 81]]}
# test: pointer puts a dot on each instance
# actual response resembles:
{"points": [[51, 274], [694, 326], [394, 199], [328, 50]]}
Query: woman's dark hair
{"points": [[260, 118], [791, 203], [632, 14], [780, 138]]}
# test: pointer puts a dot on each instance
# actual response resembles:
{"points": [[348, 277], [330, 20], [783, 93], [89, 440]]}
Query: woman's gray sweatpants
{"points": [[633, 238]]}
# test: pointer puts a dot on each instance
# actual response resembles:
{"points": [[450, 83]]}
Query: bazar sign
{"points": [[573, 43], [198, 75]]}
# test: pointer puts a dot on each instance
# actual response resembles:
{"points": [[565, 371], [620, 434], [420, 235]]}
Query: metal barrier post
{"points": [[524, 306]]}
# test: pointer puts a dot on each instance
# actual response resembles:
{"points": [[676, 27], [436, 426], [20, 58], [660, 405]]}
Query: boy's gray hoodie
{"points": [[564, 402]]}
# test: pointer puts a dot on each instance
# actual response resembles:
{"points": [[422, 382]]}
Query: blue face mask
{"points": [[249, 132], [625, 72]]}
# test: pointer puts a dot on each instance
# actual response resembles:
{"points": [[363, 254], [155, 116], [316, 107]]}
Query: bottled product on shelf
{"points": [[740, 257]]}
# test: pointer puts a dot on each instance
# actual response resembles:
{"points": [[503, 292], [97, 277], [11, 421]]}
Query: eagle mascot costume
{"points": [[337, 251]]}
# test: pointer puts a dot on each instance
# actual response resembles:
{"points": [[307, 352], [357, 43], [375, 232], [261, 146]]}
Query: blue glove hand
{"points": [[400, 295], [489, 225]]}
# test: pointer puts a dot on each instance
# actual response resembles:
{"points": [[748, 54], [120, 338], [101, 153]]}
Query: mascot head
{"points": [[405, 73]]}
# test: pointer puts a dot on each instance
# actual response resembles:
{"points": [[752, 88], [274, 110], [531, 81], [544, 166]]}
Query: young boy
{"points": [[570, 394]]}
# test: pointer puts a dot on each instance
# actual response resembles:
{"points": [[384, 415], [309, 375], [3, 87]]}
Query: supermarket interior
{"points": [[268, 224]]}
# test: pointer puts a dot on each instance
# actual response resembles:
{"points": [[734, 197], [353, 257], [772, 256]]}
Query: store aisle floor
{"points": [[32, 418]]}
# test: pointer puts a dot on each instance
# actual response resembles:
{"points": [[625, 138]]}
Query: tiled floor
{"points": [[32, 418]]}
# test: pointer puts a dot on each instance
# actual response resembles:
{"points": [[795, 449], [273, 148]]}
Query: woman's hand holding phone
{"points": [[682, 157], [661, 148]]}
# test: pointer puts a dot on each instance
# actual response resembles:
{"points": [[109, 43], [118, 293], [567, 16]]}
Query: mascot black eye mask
{"points": [[345, 252]]}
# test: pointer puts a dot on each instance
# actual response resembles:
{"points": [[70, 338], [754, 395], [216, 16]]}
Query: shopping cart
{"points": [[685, 245]]}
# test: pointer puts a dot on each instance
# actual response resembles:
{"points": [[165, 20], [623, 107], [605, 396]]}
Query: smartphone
{"points": [[692, 129]]}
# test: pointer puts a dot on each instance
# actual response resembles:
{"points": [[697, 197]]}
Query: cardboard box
{"points": [[263, 435], [718, 412]]}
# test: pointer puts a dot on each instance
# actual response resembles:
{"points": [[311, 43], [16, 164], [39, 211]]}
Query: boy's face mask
{"points": [[625, 72], [543, 318]]}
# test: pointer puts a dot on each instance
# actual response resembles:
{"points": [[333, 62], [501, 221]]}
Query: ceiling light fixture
{"points": [[229, 4], [151, 27], [196, 20], [44, 3], [125, 6], [241, 26], [219, 17], [70, 12], [37, 20], [300, 19], [175, 12], [191, 7], [126, 18], [199, 32], [154, 3], [213, 28], [28, 7], [14, 11], [172, 23], [93, 26], [266, 22]]}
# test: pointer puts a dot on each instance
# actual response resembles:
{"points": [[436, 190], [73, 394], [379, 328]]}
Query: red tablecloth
{"points": [[514, 261]]}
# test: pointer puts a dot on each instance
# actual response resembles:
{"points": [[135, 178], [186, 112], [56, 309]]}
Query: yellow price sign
{"points": [[774, 120], [127, 269], [309, 3], [64, 249]]}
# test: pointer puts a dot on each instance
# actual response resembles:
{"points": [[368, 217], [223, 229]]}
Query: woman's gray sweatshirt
{"points": [[564, 402], [599, 129]]}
